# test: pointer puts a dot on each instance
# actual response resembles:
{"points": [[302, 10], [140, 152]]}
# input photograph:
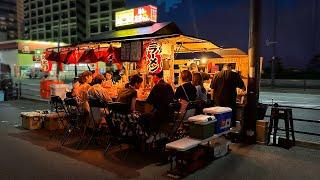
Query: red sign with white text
{"points": [[153, 57]]}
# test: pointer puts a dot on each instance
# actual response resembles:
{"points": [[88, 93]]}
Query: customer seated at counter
{"points": [[129, 93], [186, 92], [75, 88], [197, 81], [97, 91], [85, 79], [160, 97]]}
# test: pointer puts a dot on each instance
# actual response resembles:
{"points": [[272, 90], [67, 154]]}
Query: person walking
{"points": [[224, 85]]}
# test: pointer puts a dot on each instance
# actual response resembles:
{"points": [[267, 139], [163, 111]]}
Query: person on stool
{"points": [[224, 85]]}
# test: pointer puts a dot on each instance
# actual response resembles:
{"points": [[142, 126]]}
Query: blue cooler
{"points": [[1, 96], [223, 116]]}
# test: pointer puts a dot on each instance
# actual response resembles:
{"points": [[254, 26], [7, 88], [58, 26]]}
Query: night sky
{"points": [[226, 22]]}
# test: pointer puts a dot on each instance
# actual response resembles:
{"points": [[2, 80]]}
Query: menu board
{"points": [[136, 50], [131, 51], [125, 51]]}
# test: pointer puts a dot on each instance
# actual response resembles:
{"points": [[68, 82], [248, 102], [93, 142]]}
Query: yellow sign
{"points": [[136, 16], [124, 18]]}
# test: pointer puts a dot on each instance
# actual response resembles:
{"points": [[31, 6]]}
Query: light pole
{"points": [[275, 19], [253, 51], [273, 43]]}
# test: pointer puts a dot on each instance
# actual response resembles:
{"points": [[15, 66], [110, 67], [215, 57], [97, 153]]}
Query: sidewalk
{"points": [[25, 159]]}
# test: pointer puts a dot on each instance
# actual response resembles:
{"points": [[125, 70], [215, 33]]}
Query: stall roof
{"points": [[196, 55], [157, 29], [230, 52]]}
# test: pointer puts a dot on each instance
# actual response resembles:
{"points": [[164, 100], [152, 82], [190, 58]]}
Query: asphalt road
{"points": [[21, 159], [297, 98]]}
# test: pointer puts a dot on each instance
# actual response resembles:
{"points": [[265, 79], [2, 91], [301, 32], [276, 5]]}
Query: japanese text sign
{"points": [[153, 57]]}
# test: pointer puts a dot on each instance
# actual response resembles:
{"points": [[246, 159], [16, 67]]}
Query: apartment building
{"points": [[11, 19], [70, 21]]}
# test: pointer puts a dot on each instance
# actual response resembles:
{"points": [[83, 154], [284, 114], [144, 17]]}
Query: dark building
{"points": [[69, 20], [11, 19]]}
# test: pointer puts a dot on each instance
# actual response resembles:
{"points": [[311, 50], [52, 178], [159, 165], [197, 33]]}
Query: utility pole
{"points": [[254, 61], [274, 52]]}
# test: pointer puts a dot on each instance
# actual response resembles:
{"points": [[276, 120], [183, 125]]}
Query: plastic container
{"points": [[183, 144], [59, 90], [201, 126], [223, 116], [1, 96], [45, 87]]}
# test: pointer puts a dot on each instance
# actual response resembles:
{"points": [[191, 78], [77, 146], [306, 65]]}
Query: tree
{"points": [[314, 64]]}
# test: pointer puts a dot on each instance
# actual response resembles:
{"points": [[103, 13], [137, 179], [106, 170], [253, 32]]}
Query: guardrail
{"points": [[299, 119]]}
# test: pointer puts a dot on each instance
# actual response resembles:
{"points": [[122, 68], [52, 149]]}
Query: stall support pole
{"points": [[253, 51], [75, 70]]}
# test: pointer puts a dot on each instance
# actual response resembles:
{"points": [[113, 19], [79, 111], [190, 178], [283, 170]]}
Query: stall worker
{"points": [[109, 86], [186, 92], [109, 81], [193, 68], [85, 79], [224, 85], [128, 94], [160, 97]]}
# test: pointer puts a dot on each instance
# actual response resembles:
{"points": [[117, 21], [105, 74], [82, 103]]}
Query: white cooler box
{"points": [[201, 126], [223, 116], [59, 90]]}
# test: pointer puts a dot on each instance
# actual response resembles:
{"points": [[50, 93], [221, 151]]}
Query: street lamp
{"points": [[273, 43]]}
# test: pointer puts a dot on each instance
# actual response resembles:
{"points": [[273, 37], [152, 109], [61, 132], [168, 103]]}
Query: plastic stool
{"points": [[285, 114]]}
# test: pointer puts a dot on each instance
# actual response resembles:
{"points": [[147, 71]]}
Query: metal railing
{"points": [[299, 119]]}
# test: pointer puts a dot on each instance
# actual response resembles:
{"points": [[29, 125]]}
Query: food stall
{"points": [[142, 46]]}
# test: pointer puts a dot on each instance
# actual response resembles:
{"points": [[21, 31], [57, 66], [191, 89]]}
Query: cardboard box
{"points": [[53, 121], [31, 120], [262, 131]]}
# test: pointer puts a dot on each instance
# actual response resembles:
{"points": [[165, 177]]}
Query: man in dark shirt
{"points": [[224, 85], [160, 97]]}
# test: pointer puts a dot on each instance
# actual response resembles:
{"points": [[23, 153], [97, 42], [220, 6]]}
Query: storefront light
{"points": [[37, 65], [203, 60]]}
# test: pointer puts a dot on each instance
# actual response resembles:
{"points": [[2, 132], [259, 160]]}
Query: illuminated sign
{"points": [[153, 57], [136, 16]]}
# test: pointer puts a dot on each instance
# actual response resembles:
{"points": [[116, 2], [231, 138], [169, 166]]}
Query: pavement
{"points": [[21, 159]]}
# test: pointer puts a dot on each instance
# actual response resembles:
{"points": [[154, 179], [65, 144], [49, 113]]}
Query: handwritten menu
{"points": [[125, 51], [136, 50], [131, 51]]}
